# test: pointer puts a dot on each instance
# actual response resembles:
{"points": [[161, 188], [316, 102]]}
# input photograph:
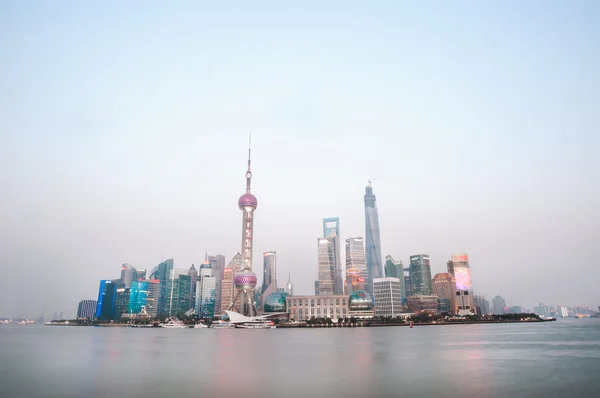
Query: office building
{"points": [[458, 267], [217, 263], [86, 309], [180, 295], [354, 280], [482, 306], [143, 297], [326, 259], [355, 257], [122, 301], [269, 284], [373, 257], [395, 269], [423, 303], [498, 305], [106, 299], [227, 289], [331, 230], [420, 275], [163, 274], [128, 275], [193, 274], [206, 292], [388, 297], [444, 286]]}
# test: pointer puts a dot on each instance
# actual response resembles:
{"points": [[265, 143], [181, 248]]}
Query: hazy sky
{"points": [[124, 131]]}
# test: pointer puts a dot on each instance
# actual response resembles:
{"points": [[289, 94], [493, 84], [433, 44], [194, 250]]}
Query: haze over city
{"points": [[125, 130]]}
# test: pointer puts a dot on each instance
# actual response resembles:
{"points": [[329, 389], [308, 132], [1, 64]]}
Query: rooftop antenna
{"points": [[372, 179]]}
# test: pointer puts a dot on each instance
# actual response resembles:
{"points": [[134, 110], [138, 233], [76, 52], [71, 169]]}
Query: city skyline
{"points": [[119, 144]]}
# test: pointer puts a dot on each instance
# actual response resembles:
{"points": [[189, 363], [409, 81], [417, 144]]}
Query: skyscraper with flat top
{"points": [[326, 259], [269, 284], [458, 267], [372, 240], [355, 257], [420, 274]]}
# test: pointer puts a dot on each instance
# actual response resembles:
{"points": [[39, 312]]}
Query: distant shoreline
{"points": [[316, 326]]}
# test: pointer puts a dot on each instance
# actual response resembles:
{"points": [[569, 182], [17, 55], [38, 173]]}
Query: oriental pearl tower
{"points": [[245, 281]]}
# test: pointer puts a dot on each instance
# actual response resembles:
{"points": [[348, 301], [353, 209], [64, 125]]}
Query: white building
{"points": [[388, 296]]}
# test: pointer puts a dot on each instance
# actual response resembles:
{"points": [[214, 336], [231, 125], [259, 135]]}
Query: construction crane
{"points": [[372, 179]]}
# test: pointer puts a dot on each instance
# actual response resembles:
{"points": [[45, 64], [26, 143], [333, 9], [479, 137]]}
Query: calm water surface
{"points": [[554, 359]]}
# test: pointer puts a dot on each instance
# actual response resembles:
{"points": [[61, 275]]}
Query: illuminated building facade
{"points": [[444, 286], [326, 259], [106, 299], [458, 267], [354, 280], [143, 297], [355, 258]]}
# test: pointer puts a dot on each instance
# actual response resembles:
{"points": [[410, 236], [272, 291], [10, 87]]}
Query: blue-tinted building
{"points": [[163, 274], [106, 300]]}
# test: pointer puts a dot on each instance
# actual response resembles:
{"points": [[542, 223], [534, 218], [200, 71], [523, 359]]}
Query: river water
{"points": [[552, 359]]}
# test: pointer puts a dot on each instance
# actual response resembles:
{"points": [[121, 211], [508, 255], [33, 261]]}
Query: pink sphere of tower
{"points": [[245, 279], [247, 199]]}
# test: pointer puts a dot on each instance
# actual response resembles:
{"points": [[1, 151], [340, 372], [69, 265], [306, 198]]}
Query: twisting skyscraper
{"points": [[245, 281], [372, 241]]}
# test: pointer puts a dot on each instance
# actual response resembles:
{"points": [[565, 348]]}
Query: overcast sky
{"points": [[124, 139]]}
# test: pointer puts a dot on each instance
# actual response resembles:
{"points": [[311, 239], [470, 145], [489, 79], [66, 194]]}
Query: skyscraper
{"points": [[227, 288], [217, 263], [193, 274], [245, 280], [444, 286], [144, 296], [269, 284], [331, 230], [106, 299], [205, 293], [354, 280], [269, 270], [498, 305], [395, 269], [163, 274], [122, 301], [128, 275], [458, 267], [326, 259], [355, 257], [86, 309], [386, 294], [420, 274], [482, 306], [373, 257], [289, 288]]}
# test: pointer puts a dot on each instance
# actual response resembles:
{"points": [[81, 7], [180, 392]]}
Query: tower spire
{"points": [[249, 173]]}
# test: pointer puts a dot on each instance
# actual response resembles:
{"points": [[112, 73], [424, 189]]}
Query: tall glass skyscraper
{"points": [[372, 240], [331, 231], [163, 274], [420, 275], [395, 269], [206, 293], [87, 309], [355, 257], [106, 300], [326, 260]]}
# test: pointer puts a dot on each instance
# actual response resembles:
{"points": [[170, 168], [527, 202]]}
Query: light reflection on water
{"points": [[514, 360]]}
